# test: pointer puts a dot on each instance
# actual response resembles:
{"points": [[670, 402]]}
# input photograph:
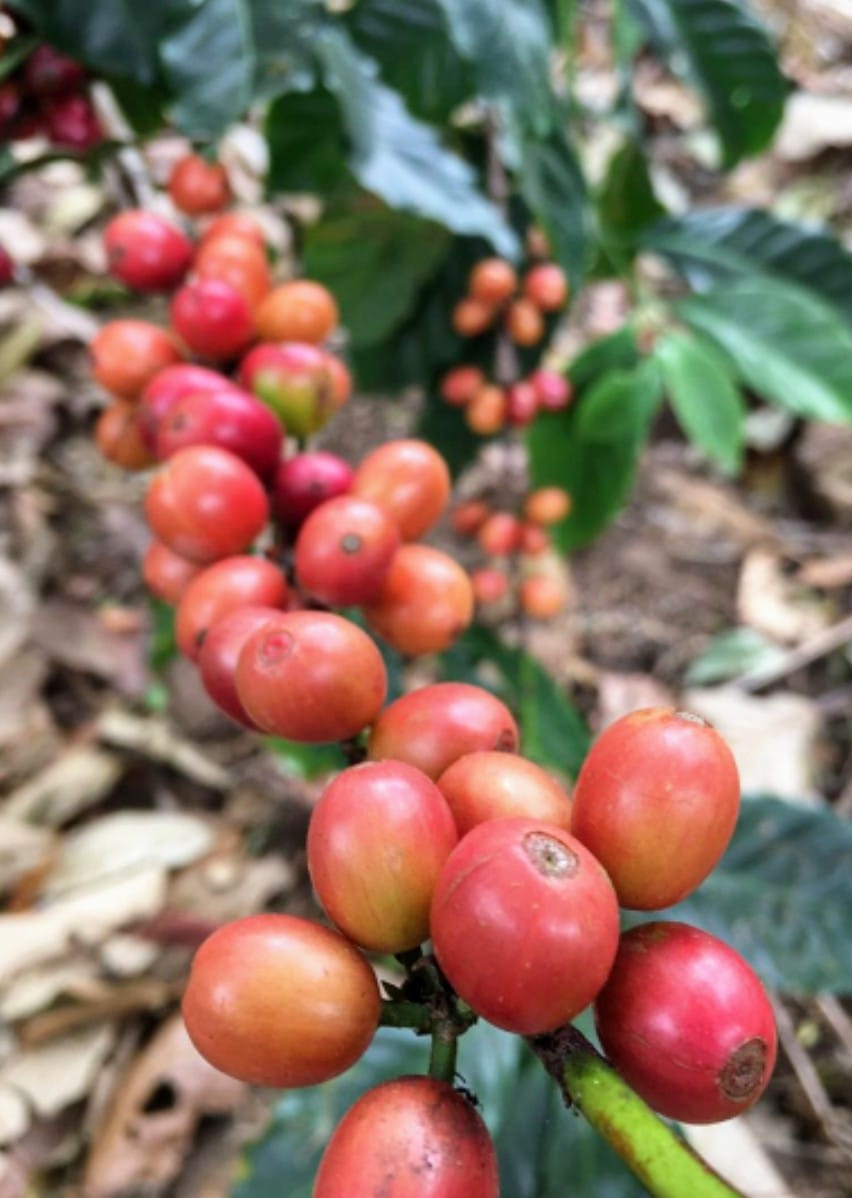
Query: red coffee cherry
{"points": [[198, 187], [72, 123], [119, 438], [547, 505], [377, 840], [237, 261], [492, 281], [344, 551], [7, 268], [490, 585], [414, 1137], [169, 386], [232, 419], [534, 540], [234, 224], [432, 727], [410, 480], [554, 391], [300, 310], [212, 319], [686, 1023], [524, 323], [482, 786], [524, 924], [500, 535], [546, 286], [307, 480], [206, 504], [278, 1001], [542, 596], [126, 354], [222, 588], [220, 652], [469, 517], [311, 677], [486, 413], [656, 801], [341, 379], [471, 317], [167, 574], [521, 404], [425, 601], [460, 385], [295, 381], [49, 73], [146, 252]]}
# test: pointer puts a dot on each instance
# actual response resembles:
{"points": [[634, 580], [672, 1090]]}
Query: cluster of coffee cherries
{"points": [[523, 563], [489, 407], [446, 837], [496, 297], [47, 96]]}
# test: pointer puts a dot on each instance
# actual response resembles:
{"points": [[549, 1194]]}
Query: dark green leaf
{"points": [[704, 396], [713, 245], [375, 261], [15, 53], [509, 46], [552, 184], [786, 344], [162, 646], [592, 449], [627, 203], [398, 157], [782, 896], [143, 106], [307, 144], [409, 40], [616, 351], [306, 761], [731, 654], [553, 732], [727, 55], [445, 428]]}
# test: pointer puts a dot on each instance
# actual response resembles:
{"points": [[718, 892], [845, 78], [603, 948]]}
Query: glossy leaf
{"points": [[704, 396], [786, 344], [306, 761], [730, 654], [627, 203], [713, 245], [307, 145], [553, 186], [726, 54]]}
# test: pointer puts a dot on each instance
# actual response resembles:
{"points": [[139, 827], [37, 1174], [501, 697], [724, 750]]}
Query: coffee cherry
{"points": [[656, 801], [295, 381], [414, 1137], [492, 281], [547, 505], [278, 1001], [206, 504], [72, 123], [224, 587], [546, 286], [167, 574], [534, 539], [212, 319], [344, 551], [410, 480], [169, 386], [220, 653], [234, 224], [521, 404], [469, 517], [554, 391], [524, 924], [300, 310], [229, 418], [377, 840], [460, 385], [198, 187], [311, 677], [524, 323], [307, 480], [237, 261], [146, 252], [542, 596], [49, 73], [486, 413], [471, 317], [488, 785], [490, 585], [127, 354], [425, 601], [686, 1022], [500, 534], [118, 437], [341, 380], [432, 727]]}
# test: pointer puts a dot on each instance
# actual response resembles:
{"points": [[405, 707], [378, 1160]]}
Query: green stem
{"points": [[442, 1057], [665, 1165], [397, 1013]]}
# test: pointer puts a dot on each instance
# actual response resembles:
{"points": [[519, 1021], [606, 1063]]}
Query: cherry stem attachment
{"points": [[655, 1154], [442, 1055]]}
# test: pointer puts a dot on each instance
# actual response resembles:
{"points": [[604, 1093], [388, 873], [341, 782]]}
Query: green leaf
{"points": [[15, 53], [409, 39], [307, 145], [553, 732], [730, 654], [398, 157], [553, 186], [616, 351], [509, 46], [162, 646], [306, 761], [714, 245], [375, 261], [782, 896], [626, 202], [704, 396], [726, 54], [592, 449], [445, 428], [786, 344]]}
